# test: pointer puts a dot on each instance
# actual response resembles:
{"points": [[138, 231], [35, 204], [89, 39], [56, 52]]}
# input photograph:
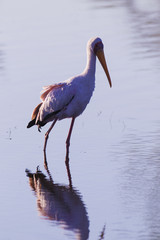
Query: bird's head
{"points": [[96, 46]]}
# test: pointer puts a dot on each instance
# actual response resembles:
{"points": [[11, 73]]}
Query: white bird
{"points": [[69, 99]]}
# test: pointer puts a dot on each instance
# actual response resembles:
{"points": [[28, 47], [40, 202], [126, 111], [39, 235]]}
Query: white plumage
{"points": [[69, 99]]}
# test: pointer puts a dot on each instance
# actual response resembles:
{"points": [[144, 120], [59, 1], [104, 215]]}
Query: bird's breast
{"points": [[78, 104]]}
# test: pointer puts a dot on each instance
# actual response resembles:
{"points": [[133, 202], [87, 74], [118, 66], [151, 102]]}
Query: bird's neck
{"points": [[91, 63]]}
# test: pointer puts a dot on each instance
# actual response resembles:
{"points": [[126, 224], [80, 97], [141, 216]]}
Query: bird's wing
{"points": [[47, 89], [55, 98]]}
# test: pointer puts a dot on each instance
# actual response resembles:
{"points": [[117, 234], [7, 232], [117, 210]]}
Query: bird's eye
{"points": [[98, 46]]}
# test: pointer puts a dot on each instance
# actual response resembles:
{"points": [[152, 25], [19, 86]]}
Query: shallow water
{"points": [[114, 153]]}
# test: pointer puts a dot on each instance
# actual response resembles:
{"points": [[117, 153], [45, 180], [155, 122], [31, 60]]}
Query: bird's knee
{"points": [[67, 143], [46, 135]]}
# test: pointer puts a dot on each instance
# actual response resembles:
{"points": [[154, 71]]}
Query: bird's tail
{"points": [[31, 123], [34, 116]]}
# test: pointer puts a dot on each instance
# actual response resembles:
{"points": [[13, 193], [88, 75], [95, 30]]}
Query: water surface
{"points": [[114, 153]]}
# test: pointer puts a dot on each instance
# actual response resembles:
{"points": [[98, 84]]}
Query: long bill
{"points": [[101, 57]]}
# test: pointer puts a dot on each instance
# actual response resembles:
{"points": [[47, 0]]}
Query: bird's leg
{"points": [[45, 161], [68, 140], [47, 135], [47, 169], [69, 175]]}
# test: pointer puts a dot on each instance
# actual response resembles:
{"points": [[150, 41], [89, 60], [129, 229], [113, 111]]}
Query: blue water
{"points": [[114, 152]]}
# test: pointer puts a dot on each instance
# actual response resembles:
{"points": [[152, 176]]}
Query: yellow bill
{"points": [[101, 57]]}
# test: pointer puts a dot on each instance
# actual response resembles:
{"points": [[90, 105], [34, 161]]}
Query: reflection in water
{"points": [[67, 168], [61, 204], [146, 23]]}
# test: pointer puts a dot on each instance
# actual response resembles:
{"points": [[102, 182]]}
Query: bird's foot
{"points": [[39, 128]]}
